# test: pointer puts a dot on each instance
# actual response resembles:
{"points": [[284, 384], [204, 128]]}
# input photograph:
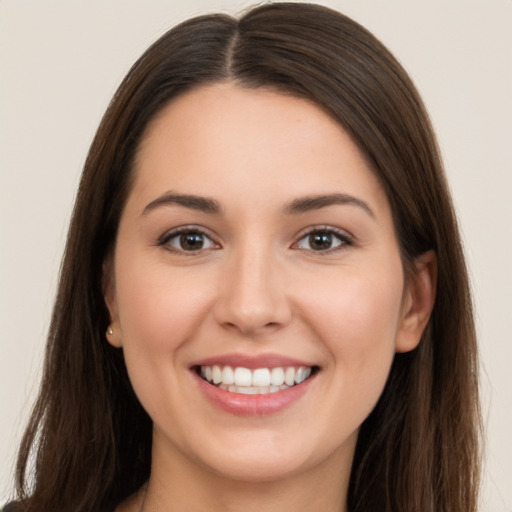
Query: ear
{"points": [[109, 294], [419, 298]]}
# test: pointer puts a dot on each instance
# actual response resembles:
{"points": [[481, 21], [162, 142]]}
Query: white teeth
{"points": [[252, 390], [289, 376], [243, 377], [252, 382], [228, 377], [216, 374], [261, 377], [249, 390], [277, 376]]}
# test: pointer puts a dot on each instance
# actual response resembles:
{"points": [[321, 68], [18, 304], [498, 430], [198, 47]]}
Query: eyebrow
{"points": [[308, 203], [202, 204], [296, 207]]}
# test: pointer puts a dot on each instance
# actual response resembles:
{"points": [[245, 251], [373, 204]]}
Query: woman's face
{"points": [[256, 248]]}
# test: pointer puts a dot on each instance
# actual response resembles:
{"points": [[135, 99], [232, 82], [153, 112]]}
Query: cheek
{"points": [[160, 308], [357, 303], [356, 317]]}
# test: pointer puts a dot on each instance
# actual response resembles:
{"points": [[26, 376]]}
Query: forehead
{"points": [[237, 143]]}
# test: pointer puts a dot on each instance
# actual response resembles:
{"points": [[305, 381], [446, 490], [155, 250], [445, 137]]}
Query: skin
{"points": [[257, 287]]}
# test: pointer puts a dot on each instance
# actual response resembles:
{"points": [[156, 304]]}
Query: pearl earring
{"points": [[110, 331]]}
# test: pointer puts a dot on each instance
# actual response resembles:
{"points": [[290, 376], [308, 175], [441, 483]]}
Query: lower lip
{"points": [[253, 405]]}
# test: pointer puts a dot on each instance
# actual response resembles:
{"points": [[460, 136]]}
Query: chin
{"points": [[264, 456], [260, 467]]}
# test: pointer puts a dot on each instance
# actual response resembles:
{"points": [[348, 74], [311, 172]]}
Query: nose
{"points": [[251, 297]]}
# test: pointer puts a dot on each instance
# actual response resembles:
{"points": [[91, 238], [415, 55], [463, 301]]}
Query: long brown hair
{"points": [[88, 442]]}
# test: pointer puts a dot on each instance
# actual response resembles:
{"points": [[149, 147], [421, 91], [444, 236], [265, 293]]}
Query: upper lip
{"points": [[251, 361]]}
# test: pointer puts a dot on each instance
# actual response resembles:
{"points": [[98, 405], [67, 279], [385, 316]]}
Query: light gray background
{"points": [[60, 62]]}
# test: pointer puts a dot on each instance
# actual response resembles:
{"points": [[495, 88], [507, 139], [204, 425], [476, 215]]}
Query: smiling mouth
{"points": [[259, 381]]}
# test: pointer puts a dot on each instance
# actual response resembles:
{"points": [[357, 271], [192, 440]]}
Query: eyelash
{"points": [[344, 239], [165, 239]]}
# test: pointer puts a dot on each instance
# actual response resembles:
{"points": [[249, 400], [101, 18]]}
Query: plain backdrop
{"points": [[60, 63]]}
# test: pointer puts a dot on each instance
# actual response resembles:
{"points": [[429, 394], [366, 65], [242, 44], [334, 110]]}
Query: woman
{"points": [[263, 301]]}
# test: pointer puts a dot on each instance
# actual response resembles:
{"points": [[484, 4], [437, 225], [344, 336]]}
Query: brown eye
{"points": [[320, 241], [188, 241], [323, 241], [191, 241]]}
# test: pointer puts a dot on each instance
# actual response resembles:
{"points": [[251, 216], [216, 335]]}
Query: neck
{"points": [[177, 484]]}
